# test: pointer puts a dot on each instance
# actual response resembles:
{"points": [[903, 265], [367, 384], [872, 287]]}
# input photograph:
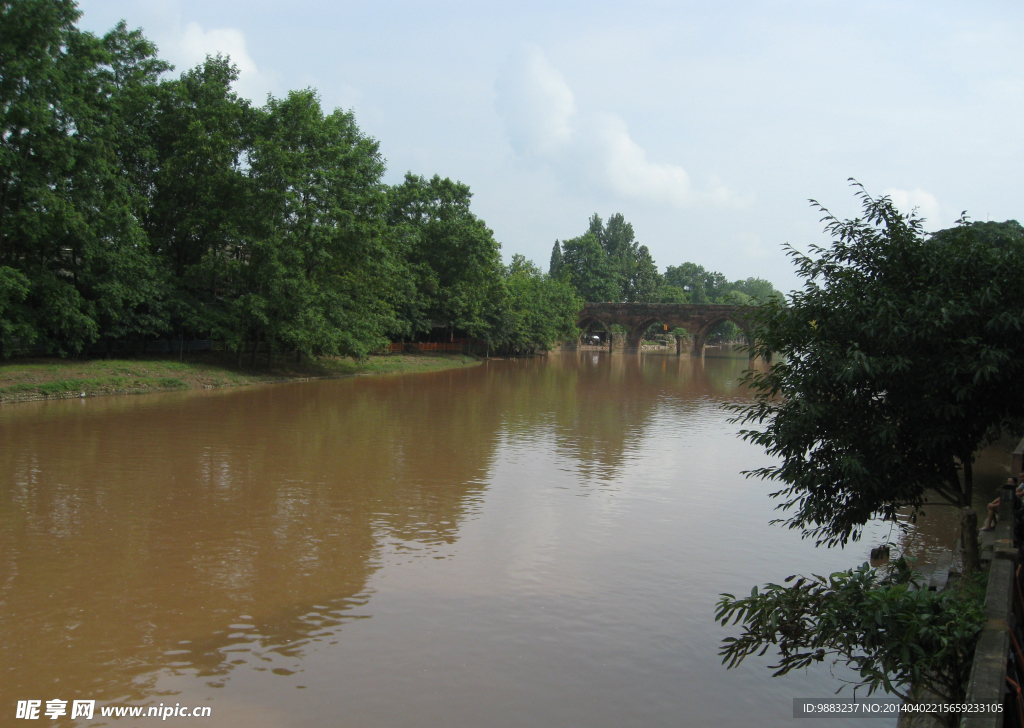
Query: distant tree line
{"points": [[134, 206], [607, 264]]}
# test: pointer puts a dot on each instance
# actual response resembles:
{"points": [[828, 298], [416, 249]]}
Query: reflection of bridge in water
{"points": [[699, 320]]}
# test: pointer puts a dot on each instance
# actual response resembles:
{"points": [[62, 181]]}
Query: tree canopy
{"points": [[900, 356], [607, 264], [539, 310], [893, 632], [136, 206]]}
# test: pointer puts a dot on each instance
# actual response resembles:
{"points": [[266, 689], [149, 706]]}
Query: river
{"points": [[537, 542]]}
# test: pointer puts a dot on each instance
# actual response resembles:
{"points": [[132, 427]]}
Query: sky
{"points": [[709, 126]]}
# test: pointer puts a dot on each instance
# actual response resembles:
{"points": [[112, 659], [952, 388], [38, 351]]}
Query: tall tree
{"points": [[607, 264], [538, 310], [901, 356], [616, 237], [451, 255], [200, 206], [311, 272], [633, 269], [645, 282], [589, 269], [68, 213], [126, 281], [555, 266]]}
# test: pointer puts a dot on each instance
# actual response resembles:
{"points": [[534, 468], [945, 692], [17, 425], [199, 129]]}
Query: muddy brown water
{"points": [[524, 543]]}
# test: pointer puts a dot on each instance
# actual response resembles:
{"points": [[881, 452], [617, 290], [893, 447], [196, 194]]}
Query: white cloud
{"points": [[536, 104], [586, 148], [924, 202], [194, 44], [630, 173], [197, 43]]}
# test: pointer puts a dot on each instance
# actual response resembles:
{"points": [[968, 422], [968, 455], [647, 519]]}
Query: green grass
{"points": [[39, 379]]}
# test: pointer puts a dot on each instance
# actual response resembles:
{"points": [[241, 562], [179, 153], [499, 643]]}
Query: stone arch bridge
{"points": [[696, 318]]}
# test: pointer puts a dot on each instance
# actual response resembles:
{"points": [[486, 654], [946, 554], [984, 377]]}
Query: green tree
{"points": [[896, 634], [124, 278], [633, 270], [645, 282], [134, 207], [200, 204], [901, 356], [589, 269], [69, 215], [452, 256], [701, 285], [616, 237], [555, 266], [757, 288], [1009, 234], [14, 326], [672, 294], [311, 272], [538, 310]]}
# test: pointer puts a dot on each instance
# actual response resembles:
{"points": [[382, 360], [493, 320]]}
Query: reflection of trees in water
{"points": [[133, 537], [135, 531], [597, 407]]}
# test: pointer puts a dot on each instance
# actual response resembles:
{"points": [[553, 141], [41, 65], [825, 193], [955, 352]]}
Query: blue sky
{"points": [[708, 125]]}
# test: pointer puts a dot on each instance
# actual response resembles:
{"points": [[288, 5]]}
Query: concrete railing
{"points": [[988, 681], [987, 684]]}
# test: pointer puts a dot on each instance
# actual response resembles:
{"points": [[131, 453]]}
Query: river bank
{"points": [[36, 379]]}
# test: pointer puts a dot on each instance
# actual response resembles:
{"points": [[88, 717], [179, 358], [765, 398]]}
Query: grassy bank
{"points": [[24, 380]]}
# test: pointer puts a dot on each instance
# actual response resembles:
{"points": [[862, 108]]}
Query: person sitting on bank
{"points": [[993, 507]]}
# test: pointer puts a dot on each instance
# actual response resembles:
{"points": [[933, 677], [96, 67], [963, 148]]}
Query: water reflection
{"points": [[597, 407], [138, 535]]}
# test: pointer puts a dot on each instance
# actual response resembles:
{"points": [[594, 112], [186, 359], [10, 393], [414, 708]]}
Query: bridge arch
{"points": [[698, 319], [635, 338], [700, 336], [586, 323]]}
